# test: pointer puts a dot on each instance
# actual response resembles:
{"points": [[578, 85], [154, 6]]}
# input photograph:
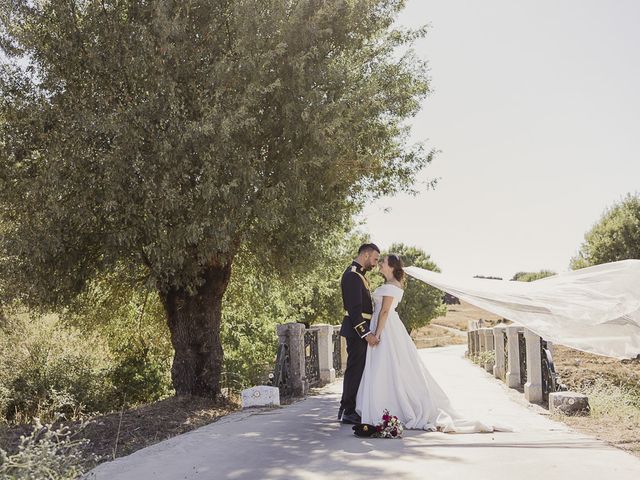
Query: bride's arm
{"points": [[384, 313]]}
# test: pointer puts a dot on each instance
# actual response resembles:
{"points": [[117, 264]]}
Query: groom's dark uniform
{"points": [[356, 299]]}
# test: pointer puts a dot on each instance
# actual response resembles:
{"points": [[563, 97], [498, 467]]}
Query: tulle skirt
{"points": [[396, 379]]}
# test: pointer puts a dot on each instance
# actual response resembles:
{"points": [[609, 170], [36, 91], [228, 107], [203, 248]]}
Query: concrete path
{"points": [[303, 441]]}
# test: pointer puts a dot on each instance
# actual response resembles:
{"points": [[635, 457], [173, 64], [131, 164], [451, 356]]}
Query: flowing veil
{"points": [[595, 309]]}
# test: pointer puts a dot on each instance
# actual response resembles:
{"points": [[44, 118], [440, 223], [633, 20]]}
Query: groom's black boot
{"points": [[351, 418], [340, 412]]}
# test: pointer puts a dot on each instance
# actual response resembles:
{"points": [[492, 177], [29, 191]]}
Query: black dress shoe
{"points": [[340, 412], [351, 418]]}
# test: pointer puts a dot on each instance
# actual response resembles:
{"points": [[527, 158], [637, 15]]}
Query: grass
{"points": [[614, 417], [613, 388]]}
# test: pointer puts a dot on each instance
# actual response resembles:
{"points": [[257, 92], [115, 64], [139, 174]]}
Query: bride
{"points": [[394, 376]]}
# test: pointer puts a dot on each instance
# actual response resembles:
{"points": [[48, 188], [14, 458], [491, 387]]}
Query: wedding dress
{"points": [[395, 379]]}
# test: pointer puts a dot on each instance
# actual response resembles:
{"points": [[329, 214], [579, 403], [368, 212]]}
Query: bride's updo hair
{"points": [[395, 262]]}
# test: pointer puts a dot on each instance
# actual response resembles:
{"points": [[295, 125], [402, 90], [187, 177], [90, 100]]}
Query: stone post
{"points": [[325, 353], [482, 341], [343, 353], [498, 340], [293, 335], [471, 346], [533, 385], [475, 338], [513, 356], [487, 333]]}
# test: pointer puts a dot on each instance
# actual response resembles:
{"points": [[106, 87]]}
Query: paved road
{"points": [[303, 441]]}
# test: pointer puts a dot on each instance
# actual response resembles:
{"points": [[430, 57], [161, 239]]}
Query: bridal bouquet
{"points": [[390, 427]]}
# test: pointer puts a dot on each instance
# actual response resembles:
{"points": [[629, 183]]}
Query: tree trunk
{"points": [[194, 323]]}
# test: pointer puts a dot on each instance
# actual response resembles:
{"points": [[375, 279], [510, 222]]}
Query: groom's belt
{"points": [[366, 316]]}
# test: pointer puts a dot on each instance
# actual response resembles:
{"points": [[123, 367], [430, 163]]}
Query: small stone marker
{"points": [[569, 403], [260, 396]]}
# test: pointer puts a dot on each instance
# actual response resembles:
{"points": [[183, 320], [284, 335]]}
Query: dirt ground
{"points": [[112, 436]]}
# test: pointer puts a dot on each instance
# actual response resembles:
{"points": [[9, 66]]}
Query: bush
{"points": [[131, 320], [48, 452], [50, 369], [619, 403], [140, 375]]}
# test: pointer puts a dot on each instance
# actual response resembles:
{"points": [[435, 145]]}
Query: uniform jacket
{"points": [[356, 299]]}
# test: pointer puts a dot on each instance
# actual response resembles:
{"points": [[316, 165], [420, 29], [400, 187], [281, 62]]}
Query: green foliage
{"points": [[421, 302], [531, 276], [48, 369], [140, 377], [48, 452], [616, 236], [155, 141], [112, 348], [132, 323], [171, 134], [258, 299]]}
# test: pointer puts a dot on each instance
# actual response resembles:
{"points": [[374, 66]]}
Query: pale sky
{"points": [[536, 109]]}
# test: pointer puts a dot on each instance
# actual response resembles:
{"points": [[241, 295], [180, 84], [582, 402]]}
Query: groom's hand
{"points": [[372, 340]]}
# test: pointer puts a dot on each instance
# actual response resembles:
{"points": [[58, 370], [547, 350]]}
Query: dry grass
{"points": [[435, 336], [579, 370], [614, 417], [139, 427], [613, 388], [458, 316]]}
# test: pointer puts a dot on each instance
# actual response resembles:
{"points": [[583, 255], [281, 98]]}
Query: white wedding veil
{"points": [[595, 309]]}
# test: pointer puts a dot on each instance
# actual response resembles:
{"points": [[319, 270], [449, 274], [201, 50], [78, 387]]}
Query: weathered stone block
{"points": [[569, 403], [260, 396]]}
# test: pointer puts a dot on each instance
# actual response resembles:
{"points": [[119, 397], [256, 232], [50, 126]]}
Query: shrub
{"points": [[49, 369], [619, 402], [48, 452]]}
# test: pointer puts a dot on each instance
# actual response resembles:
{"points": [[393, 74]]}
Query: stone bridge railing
{"points": [[523, 360], [307, 357], [312, 357]]}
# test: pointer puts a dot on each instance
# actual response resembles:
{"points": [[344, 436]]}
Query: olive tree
{"points": [[155, 139]]}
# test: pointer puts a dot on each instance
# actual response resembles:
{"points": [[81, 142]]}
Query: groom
{"points": [[358, 306]]}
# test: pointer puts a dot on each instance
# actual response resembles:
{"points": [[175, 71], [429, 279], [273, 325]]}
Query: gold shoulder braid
{"points": [[364, 280]]}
